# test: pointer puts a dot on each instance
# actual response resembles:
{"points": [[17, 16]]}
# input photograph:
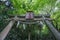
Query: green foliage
{"points": [[37, 6], [34, 5]]}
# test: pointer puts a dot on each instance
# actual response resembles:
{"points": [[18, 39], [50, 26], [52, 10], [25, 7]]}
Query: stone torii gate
{"points": [[30, 16]]}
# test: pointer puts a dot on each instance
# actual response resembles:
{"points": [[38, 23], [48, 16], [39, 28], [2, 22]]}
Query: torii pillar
{"points": [[53, 30], [6, 30]]}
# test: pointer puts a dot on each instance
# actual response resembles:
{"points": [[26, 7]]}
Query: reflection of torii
{"points": [[4, 33]]}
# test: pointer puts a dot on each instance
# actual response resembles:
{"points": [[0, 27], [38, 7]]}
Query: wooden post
{"points": [[29, 33], [29, 36], [4, 33]]}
